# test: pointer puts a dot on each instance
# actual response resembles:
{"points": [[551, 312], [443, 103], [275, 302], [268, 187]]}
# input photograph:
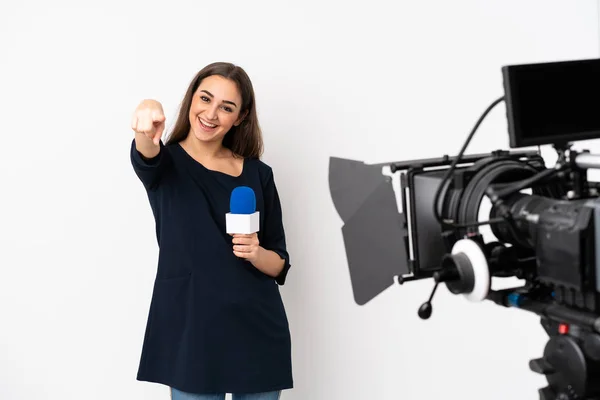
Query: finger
{"points": [[145, 121], [242, 248], [149, 126], [242, 235], [149, 135], [240, 254], [158, 134], [158, 116], [141, 125], [149, 131], [134, 122], [245, 240]]}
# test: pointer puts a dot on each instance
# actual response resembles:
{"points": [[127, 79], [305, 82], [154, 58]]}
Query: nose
{"points": [[211, 113]]}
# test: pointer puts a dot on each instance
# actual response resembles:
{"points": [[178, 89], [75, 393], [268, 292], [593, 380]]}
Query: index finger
{"points": [[158, 135]]}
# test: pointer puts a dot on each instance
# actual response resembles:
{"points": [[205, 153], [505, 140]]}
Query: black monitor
{"points": [[552, 103]]}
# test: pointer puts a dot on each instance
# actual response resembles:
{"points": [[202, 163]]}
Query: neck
{"points": [[203, 150]]}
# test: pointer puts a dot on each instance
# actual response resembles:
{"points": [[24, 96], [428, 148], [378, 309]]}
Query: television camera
{"points": [[545, 220]]}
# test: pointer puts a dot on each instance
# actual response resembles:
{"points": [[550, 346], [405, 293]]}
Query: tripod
{"points": [[571, 363]]}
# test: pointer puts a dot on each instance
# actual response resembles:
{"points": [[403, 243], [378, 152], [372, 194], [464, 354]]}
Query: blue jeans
{"points": [[179, 395]]}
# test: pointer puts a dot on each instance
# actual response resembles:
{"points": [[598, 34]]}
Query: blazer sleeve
{"points": [[150, 170], [273, 231]]}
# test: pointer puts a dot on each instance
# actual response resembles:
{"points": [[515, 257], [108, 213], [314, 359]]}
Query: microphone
{"points": [[242, 216]]}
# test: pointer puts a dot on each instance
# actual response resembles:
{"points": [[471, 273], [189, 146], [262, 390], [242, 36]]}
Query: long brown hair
{"points": [[246, 138]]}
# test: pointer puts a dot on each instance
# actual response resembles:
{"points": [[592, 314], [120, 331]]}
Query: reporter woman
{"points": [[216, 323]]}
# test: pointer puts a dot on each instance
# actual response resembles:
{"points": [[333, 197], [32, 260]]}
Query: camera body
{"points": [[563, 237], [549, 237]]}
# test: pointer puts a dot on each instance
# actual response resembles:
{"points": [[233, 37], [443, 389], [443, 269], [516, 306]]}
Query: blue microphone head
{"points": [[242, 201]]}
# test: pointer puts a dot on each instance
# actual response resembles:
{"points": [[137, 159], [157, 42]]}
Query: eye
{"points": [[204, 99], [228, 109]]}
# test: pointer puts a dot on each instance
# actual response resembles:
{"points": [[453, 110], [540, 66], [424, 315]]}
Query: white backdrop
{"points": [[374, 81]]}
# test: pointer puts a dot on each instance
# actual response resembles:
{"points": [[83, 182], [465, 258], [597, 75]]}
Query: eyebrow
{"points": [[224, 101]]}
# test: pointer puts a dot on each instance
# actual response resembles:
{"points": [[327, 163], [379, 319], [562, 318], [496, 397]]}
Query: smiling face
{"points": [[215, 108]]}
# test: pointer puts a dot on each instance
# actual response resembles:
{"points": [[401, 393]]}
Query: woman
{"points": [[216, 323]]}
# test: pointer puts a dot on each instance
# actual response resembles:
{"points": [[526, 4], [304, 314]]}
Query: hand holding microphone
{"points": [[243, 223], [246, 246]]}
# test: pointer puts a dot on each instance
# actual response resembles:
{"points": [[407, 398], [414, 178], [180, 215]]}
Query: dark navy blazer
{"points": [[216, 323]]}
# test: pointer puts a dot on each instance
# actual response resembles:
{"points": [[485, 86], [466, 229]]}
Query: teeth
{"points": [[206, 123]]}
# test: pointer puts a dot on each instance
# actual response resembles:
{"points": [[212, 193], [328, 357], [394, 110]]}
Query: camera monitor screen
{"points": [[552, 103]]}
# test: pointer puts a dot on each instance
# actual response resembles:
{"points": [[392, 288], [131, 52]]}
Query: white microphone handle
{"points": [[242, 223]]}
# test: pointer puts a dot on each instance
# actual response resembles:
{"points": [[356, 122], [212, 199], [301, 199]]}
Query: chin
{"points": [[204, 137]]}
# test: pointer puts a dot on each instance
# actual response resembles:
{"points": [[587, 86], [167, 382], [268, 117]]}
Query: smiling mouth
{"points": [[206, 125]]}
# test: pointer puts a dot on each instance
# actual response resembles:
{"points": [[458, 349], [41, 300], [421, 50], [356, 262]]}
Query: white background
{"points": [[373, 80]]}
